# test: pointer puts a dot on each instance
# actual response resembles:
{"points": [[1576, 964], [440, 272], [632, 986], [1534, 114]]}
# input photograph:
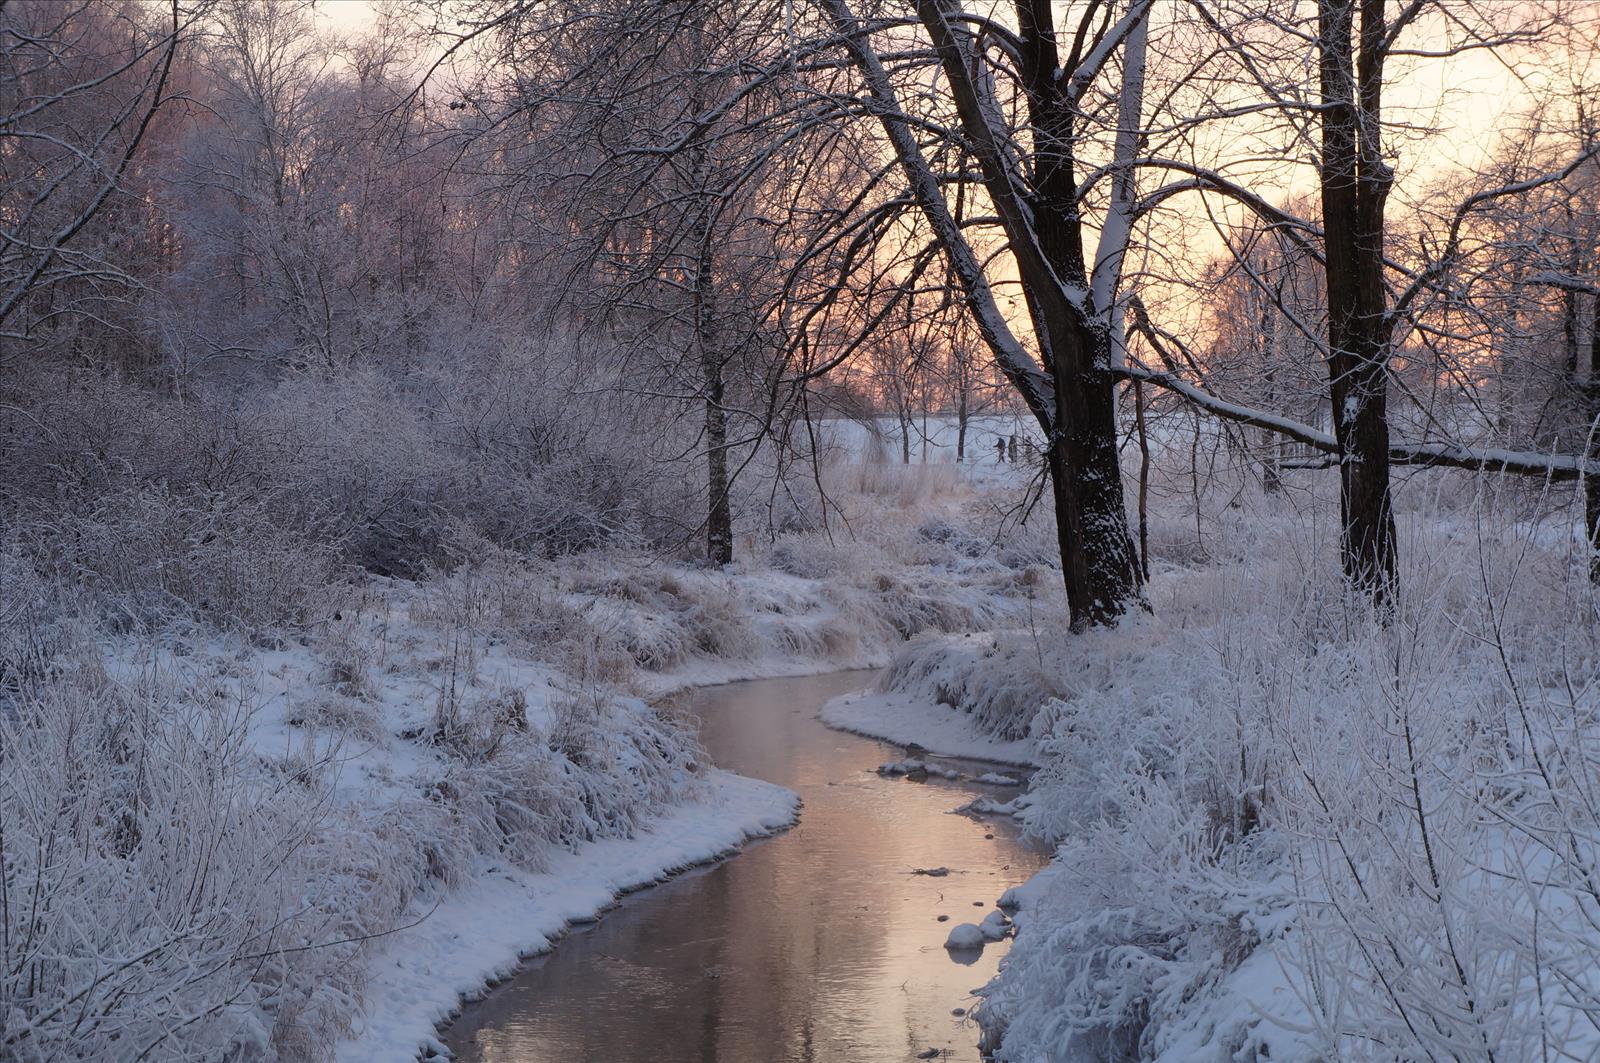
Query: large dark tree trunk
{"points": [[1098, 561], [1036, 203], [1355, 183]]}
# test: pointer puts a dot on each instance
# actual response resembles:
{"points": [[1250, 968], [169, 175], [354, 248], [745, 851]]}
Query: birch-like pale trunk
{"points": [[1591, 480]]}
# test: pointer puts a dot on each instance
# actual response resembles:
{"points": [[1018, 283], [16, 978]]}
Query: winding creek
{"points": [[817, 945]]}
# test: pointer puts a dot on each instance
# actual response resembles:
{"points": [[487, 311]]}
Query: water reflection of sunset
{"points": [[819, 945]]}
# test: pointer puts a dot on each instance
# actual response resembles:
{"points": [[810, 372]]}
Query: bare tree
{"points": [[1266, 313], [80, 86], [970, 388], [1355, 181], [1026, 162], [659, 198], [308, 198], [1378, 297], [1536, 295]]}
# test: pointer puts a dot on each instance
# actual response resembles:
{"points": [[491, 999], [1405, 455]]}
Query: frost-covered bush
{"points": [[1287, 828], [505, 597], [186, 875], [1002, 680], [426, 470], [664, 618], [154, 872], [148, 553], [807, 556], [913, 608], [596, 768], [1453, 900], [1129, 935], [400, 471]]}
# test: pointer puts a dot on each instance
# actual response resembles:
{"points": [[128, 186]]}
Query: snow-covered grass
{"points": [[236, 777], [1288, 830], [201, 836], [253, 806]]}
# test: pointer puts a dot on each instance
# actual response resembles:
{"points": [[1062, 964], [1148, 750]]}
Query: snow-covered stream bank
{"points": [[824, 943], [417, 781], [479, 934]]}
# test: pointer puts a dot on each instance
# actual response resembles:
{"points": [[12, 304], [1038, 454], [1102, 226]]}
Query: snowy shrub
{"points": [[1128, 930], [719, 625], [149, 553], [655, 641], [633, 760], [807, 556], [146, 859], [400, 472], [348, 656], [957, 539], [1001, 680], [503, 597], [913, 609], [425, 471], [599, 764], [1455, 871], [1289, 830], [34, 623]]}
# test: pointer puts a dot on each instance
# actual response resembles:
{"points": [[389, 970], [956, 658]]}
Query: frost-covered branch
{"points": [[1017, 364]]}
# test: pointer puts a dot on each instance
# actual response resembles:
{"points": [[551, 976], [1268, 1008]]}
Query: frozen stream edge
{"points": [[478, 935], [905, 719]]}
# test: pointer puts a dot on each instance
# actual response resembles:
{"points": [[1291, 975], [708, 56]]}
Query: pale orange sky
{"points": [[1466, 95], [1465, 98], [349, 15]]}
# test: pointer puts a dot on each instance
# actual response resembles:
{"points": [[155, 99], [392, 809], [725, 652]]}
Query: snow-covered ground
{"points": [[983, 692], [906, 720], [1284, 830], [1281, 828], [427, 779]]}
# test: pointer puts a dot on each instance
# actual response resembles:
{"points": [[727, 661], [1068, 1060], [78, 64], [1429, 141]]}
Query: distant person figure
{"points": [[1000, 449], [1013, 450]]}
